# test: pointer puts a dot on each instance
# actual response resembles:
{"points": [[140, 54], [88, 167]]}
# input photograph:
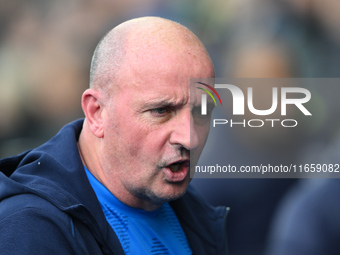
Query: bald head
{"points": [[139, 38]]}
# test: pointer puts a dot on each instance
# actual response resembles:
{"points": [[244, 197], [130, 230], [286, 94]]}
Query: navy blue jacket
{"points": [[47, 206]]}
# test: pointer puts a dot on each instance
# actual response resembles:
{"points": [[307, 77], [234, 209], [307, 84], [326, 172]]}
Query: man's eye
{"points": [[160, 111]]}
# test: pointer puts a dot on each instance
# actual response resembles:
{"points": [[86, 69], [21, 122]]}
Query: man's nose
{"points": [[184, 133]]}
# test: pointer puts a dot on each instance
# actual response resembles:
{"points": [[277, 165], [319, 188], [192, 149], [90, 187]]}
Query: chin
{"points": [[174, 191], [170, 192]]}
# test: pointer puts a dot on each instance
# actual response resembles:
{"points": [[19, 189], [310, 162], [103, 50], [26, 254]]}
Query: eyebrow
{"points": [[162, 103]]}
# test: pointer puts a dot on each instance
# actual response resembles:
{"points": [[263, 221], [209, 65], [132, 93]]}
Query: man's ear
{"points": [[93, 110]]}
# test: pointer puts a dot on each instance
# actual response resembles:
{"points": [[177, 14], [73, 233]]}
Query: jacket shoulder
{"points": [[31, 225], [203, 224]]}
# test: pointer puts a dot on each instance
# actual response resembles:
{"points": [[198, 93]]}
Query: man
{"points": [[116, 182]]}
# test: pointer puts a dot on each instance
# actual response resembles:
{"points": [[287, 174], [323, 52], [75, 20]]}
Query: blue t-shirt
{"points": [[141, 232]]}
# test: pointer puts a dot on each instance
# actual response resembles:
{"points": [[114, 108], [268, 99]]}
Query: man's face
{"points": [[152, 127]]}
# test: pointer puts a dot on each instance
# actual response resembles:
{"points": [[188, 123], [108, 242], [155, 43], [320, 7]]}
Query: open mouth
{"points": [[177, 171], [177, 166]]}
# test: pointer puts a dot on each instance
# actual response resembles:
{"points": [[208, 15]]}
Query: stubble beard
{"points": [[151, 197]]}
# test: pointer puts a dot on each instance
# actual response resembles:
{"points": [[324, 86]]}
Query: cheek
{"points": [[136, 139], [135, 143], [146, 143], [202, 133]]}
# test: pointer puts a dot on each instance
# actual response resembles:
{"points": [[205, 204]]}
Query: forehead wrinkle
{"points": [[166, 99], [166, 102]]}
